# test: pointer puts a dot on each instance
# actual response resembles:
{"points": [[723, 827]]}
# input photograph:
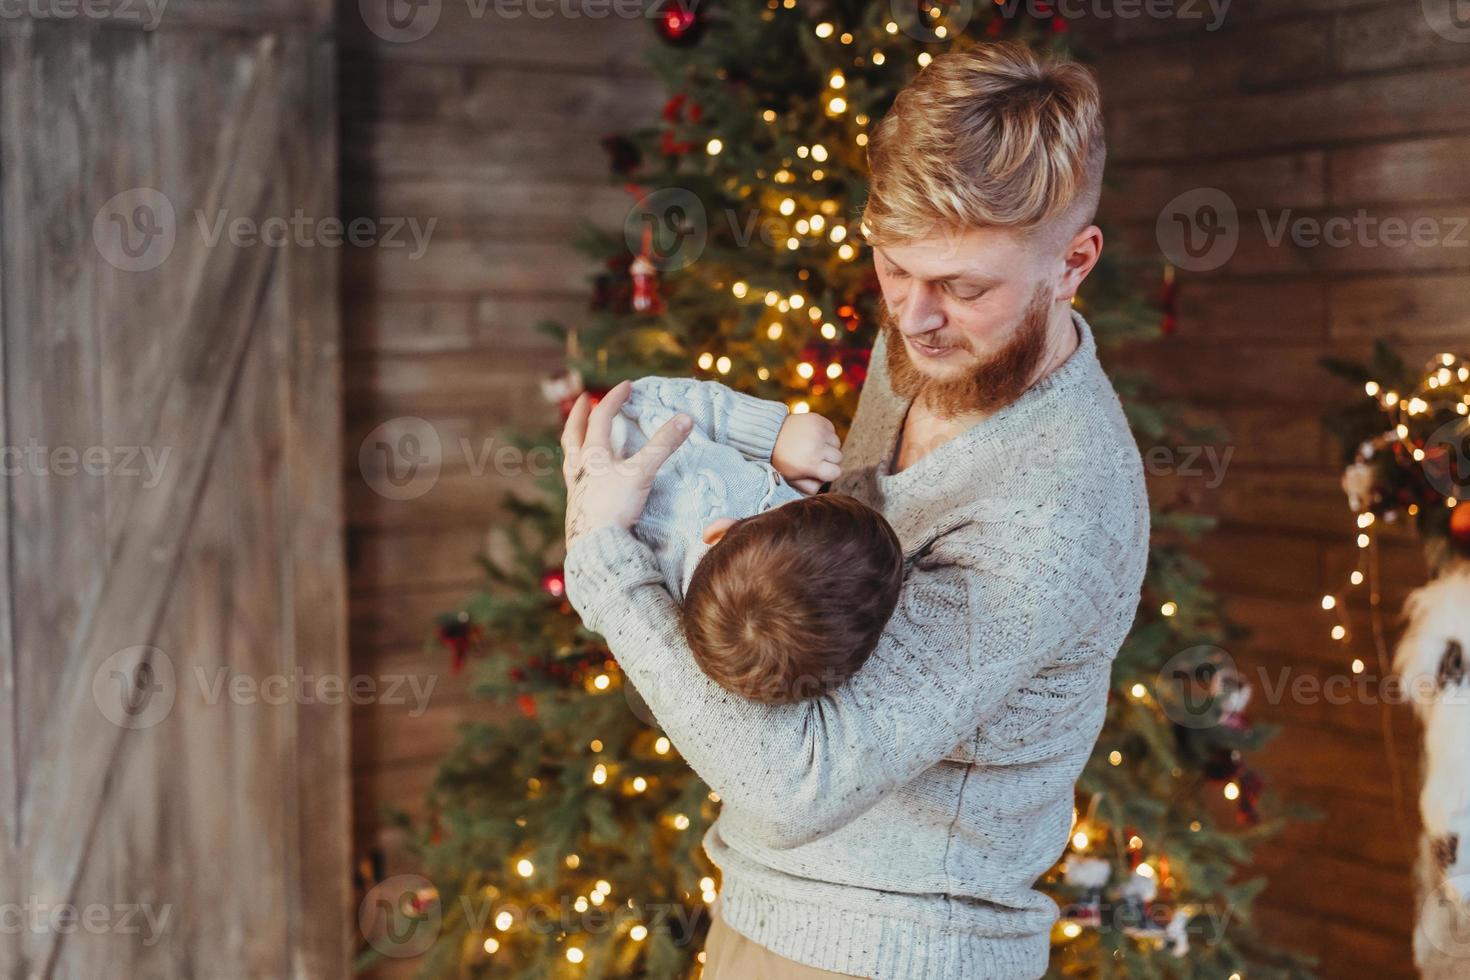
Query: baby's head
{"points": [[790, 603]]}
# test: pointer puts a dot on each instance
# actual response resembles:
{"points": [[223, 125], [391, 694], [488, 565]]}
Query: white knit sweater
{"points": [[895, 827], [722, 470]]}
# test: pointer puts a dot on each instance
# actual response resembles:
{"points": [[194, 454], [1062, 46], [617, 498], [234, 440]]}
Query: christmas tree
{"points": [[564, 832]]}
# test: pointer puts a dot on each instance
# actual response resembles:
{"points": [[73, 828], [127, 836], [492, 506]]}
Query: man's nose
{"points": [[923, 313]]}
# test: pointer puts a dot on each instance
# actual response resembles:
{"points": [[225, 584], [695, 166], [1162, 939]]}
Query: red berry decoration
{"points": [[554, 583], [458, 633]]}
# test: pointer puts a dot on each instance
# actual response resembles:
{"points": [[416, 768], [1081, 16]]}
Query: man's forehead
{"points": [[978, 252]]}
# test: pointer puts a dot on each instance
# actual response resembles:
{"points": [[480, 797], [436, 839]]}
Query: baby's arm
{"points": [[742, 421]]}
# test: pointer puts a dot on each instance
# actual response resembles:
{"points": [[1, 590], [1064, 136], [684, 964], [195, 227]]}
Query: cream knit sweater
{"points": [[895, 827]]}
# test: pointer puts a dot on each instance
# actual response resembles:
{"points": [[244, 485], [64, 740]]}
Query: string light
{"points": [[491, 944]]}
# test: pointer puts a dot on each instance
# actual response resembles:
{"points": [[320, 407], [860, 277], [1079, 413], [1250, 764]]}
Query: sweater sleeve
{"points": [[975, 621], [742, 421]]}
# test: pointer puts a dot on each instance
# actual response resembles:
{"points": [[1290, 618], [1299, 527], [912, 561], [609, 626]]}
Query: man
{"points": [[895, 827]]}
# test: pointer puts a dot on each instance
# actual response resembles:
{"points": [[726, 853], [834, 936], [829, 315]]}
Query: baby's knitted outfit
{"points": [[722, 470], [895, 826]]}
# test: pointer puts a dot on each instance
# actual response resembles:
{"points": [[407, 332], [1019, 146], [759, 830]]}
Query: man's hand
{"points": [[602, 490], [807, 452]]}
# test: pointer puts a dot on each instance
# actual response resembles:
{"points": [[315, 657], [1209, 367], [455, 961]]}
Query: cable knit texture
{"points": [[895, 827], [722, 470]]}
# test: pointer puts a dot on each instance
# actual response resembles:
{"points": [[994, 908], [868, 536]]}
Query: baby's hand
{"points": [[807, 452]]}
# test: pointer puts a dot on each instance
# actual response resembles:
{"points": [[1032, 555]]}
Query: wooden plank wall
{"points": [[1323, 108], [490, 127]]}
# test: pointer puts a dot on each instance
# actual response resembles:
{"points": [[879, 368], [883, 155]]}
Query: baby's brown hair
{"points": [[791, 602]]}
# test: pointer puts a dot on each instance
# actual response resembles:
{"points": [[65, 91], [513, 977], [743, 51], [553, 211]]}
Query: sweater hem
{"points": [[865, 944]]}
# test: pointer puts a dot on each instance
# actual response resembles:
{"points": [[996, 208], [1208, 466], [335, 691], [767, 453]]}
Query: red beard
{"points": [[990, 384]]}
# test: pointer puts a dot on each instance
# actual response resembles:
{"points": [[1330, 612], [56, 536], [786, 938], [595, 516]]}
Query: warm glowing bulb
{"points": [[1356, 578], [525, 868], [713, 147], [601, 682], [817, 223], [1372, 388], [740, 289], [836, 81], [491, 944], [1071, 930], [662, 745], [574, 954], [878, 58], [825, 30], [573, 861], [1115, 757], [834, 370], [924, 59], [638, 933], [838, 233], [639, 784], [1329, 602], [1169, 608], [681, 822], [797, 301], [504, 920], [705, 361], [1339, 631], [819, 153], [706, 884], [1366, 518], [1364, 540], [1079, 841], [723, 365], [800, 408], [805, 370], [1139, 690], [846, 252], [1232, 790], [829, 330], [599, 774], [774, 331], [603, 886], [891, 27], [788, 206], [1145, 871], [837, 105]]}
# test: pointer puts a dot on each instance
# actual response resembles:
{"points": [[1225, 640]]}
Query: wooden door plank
{"points": [[312, 586], [79, 746], [14, 51]]}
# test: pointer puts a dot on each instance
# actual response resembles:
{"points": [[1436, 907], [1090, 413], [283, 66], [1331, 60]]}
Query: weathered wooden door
{"points": [[173, 777]]}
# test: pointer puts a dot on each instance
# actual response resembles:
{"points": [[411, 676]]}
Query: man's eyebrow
{"points": [[968, 275]]}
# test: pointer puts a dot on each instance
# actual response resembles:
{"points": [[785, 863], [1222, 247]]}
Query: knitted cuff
{"points": [[602, 568], [753, 425]]}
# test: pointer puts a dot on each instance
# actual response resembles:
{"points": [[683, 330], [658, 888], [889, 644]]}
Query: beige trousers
{"points": [[730, 956]]}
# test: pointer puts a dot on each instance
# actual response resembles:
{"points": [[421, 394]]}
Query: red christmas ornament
{"points": [[645, 285], [554, 583], [527, 705], [679, 22], [458, 633]]}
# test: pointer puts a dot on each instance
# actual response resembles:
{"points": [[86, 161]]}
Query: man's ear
{"points": [[1081, 254], [717, 529]]}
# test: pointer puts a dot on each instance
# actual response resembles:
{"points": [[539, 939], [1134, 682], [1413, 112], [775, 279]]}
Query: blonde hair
{"points": [[989, 136]]}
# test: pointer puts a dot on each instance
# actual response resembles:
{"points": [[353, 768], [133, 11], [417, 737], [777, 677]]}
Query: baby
{"points": [[785, 592]]}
